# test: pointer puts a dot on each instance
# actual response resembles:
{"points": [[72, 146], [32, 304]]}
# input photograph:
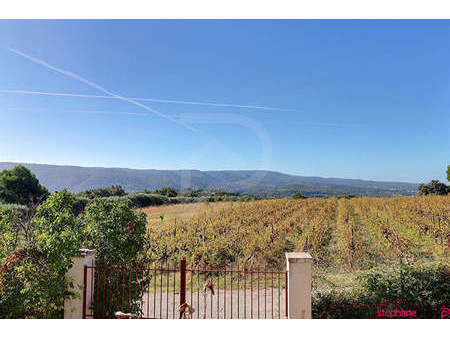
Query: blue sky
{"points": [[352, 99]]}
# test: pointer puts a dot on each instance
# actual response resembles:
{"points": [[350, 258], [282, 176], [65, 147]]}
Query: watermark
{"points": [[384, 310], [445, 312], [386, 313]]}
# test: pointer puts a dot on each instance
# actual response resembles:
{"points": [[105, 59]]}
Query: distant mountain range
{"points": [[255, 182]]}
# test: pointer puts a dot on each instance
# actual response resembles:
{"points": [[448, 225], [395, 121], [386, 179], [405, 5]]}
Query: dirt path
{"points": [[236, 304]]}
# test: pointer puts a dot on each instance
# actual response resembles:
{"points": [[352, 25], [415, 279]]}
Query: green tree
{"points": [[114, 190], [448, 173], [20, 186], [167, 191], [433, 188], [298, 196]]}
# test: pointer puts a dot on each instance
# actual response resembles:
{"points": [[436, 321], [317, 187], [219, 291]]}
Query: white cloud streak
{"points": [[95, 85], [34, 110], [197, 103]]}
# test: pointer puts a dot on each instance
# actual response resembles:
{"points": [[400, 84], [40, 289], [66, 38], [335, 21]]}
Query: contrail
{"points": [[11, 91], [182, 117], [82, 111], [96, 86]]}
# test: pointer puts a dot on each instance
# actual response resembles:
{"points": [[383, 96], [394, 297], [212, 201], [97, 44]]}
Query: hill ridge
{"points": [[255, 182]]}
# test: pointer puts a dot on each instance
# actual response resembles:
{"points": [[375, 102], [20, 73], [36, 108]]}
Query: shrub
{"points": [[80, 204], [185, 199], [28, 286], [115, 190], [33, 269], [433, 188], [33, 276], [140, 200], [20, 209], [115, 230], [419, 287], [9, 236], [298, 195], [167, 191], [117, 233]]}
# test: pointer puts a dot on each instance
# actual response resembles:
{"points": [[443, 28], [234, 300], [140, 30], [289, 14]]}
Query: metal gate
{"points": [[174, 292]]}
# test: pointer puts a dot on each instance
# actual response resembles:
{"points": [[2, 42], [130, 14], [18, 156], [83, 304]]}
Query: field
{"points": [[342, 235], [173, 212]]}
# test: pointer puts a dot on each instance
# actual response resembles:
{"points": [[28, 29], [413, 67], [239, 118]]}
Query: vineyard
{"points": [[342, 235]]}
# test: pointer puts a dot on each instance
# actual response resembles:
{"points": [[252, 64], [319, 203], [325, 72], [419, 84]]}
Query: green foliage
{"points": [[117, 233], [36, 252], [33, 282], [30, 287], [80, 204], [433, 188], [59, 234], [140, 200], [349, 196], [418, 287], [225, 196], [298, 196], [115, 230], [115, 190], [9, 236], [20, 186], [19, 208], [162, 196], [167, 191], [193, 193], [448, 173]]}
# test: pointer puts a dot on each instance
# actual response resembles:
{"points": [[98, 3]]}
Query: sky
{"points": [[332, 98]]}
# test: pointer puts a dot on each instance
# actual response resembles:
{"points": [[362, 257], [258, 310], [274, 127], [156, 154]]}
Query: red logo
{"points": [[445, 312]]}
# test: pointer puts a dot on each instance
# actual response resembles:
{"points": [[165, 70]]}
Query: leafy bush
{"points": [[185, 199], [115, 231], [9, 236], [59, 234], [298, 195], [167, 191], [118, 235], [419, 287], [28, 286], [434, 188], [33, 276], [115, 190], [80, 204], [139, 200], [21, 209], [142, 200], [37, 246]]}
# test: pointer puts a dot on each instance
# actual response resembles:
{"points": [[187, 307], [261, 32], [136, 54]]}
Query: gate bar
{"points": [[183, 281], [84, 290]]}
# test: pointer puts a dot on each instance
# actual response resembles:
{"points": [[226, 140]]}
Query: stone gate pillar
{"points": [[73, 308], [299, 284]]}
